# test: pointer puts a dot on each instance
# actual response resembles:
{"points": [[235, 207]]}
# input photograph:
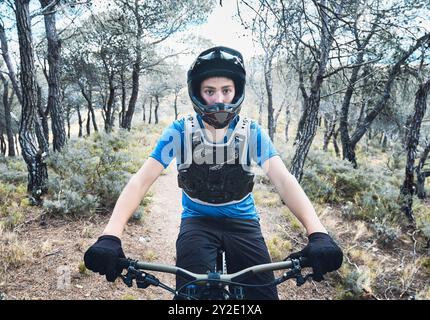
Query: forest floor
{"points": [[54, 253]]}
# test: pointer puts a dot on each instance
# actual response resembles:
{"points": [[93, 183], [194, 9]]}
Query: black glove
{"points": [[323, 253], [103, 257]]}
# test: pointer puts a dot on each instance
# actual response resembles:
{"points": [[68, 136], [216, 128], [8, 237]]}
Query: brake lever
{"points": [[143, 280]]}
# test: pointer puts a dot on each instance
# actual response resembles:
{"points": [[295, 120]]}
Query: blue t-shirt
{"points": [[170, 145]]}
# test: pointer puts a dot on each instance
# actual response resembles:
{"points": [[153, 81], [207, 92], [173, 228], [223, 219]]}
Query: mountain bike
{"points": [[217, 285]]}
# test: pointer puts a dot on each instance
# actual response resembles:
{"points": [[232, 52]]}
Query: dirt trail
{"points": [[161, 223]]}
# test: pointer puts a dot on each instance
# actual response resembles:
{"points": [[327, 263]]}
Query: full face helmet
{"points": [[217, 62]]}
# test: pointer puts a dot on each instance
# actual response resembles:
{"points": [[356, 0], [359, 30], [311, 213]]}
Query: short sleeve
{"points": [[169, 144], [261, 147]]}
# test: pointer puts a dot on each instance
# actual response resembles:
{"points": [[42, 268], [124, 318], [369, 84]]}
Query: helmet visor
{"points": [[219, 54]]}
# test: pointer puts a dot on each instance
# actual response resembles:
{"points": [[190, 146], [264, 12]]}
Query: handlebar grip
{"points": [[124, 263], [305, 262]]}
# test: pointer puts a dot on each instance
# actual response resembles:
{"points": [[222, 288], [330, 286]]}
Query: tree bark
{"points": [[157, 104], [287, 123], [407, 189], [309, 120], [268, 81], [43, 119], [68, 121], [348, 152], [150, 110], [136, 71], [88, 125], [54, 93], [422, 175], [335, 146], [32, 152], [80, 121], [91, 115], [8, 118], [2, 142], [9, 64], [309, 123], [123, 99], [108, 110], [175, 104]]}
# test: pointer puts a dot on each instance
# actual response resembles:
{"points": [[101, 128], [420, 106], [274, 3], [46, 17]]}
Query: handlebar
{"points": [[299, 263]]}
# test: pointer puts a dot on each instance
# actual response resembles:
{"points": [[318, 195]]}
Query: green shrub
{"points": [[13, 170], [367, 192], [422, 218], [89, 174]]}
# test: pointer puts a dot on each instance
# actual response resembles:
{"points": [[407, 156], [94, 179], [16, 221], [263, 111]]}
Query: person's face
{"points": [[217, 90]]}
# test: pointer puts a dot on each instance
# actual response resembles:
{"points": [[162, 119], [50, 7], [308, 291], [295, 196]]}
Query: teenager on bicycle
{"points": [[214, 149]]}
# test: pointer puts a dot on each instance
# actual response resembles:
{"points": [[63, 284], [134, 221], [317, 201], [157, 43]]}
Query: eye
{"points": [[209, 92], [227, 91]]}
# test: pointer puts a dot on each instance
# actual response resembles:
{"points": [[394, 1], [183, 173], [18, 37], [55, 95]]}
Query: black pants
{"points": [[200, 239]]}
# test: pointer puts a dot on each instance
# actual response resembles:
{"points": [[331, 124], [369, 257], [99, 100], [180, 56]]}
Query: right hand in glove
{"points": [[103, 257]]}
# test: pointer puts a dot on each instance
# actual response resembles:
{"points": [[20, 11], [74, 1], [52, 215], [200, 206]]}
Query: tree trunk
{"points": [[91, 115], [328, 132], [54, 94], [32, 152], [175, 105], [135, 73], [88, 125], [108, 110], [309, 123], [123, 100], [9, 64], [383, 100], [348, 152], [309, 120], [422, 175], [68, 122], [8, 118], [407, 189], [150, 110], [43, 117], [335, 146], [157, 104], [2, 142], [268, 81], [384, 142], [287, 123], [80, 121]]}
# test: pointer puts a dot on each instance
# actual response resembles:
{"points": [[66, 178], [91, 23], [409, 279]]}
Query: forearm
{"points": [[296, 200], [126, 205], [132, 195], [293, 195]]}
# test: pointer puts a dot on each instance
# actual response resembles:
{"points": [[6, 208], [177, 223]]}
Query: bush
{"points": [[355, 284], [422, 218], [338, 182], [89, 174], [366, 193], [13, 170]]}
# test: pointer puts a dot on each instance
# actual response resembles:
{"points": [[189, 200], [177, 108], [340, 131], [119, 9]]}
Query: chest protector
{"points": [[215, 173]]}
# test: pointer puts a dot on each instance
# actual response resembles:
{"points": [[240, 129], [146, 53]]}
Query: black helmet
{"points": [[217, 62]]}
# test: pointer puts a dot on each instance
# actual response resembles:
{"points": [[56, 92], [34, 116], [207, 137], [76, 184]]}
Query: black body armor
{"points": [[215, 173]]}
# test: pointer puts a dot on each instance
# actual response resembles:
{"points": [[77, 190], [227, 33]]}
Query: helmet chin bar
{"points": [[218, 119], [218, 115]]}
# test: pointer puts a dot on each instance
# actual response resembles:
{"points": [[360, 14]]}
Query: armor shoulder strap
{"points": [[190, 127], [242, 136]]}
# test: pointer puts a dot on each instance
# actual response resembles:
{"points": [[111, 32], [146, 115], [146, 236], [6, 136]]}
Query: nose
{"points": [[218, 97]]}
